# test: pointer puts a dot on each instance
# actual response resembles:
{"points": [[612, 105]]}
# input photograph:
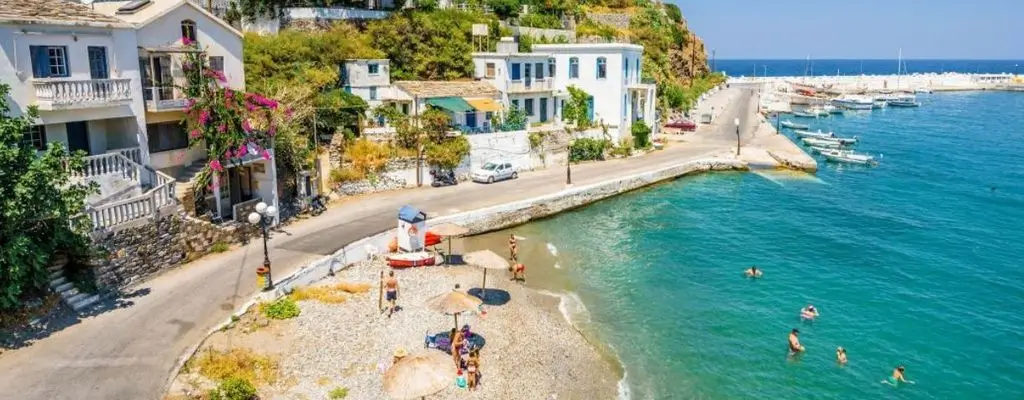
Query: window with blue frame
{"points": [[625, 70], [529, 107], [98, 62], [574, 68], [49, 61], [517, 72], [373, 68], [373, 93], [602, 68]]}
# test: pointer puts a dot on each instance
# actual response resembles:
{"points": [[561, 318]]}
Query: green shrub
{"points": [[587, 149], [673, 12], [338, 393], [624, 149], [447, 154], [219, 247], [233, 389], [545, 21], [283, 308], [590, 27], [641, 135]]}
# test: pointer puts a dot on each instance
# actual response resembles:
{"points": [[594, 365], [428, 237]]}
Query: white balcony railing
{"points": [[163, 99], [58, 94], [534, 85], [146, 206]]}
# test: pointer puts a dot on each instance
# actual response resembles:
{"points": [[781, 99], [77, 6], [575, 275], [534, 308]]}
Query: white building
{"points": [[537, 82], [106, 78], [471, 105], [370, 79]]}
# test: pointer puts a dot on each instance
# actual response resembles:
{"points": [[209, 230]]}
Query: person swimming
{"points": [[753, 272], [794, 342], [809, 312], [841, 355], [897, 377]]}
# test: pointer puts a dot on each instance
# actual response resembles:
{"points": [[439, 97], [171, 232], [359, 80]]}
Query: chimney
{"points": [[508, 45]]}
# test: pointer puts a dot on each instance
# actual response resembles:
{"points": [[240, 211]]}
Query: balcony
{"points": [[64, 94], [160, 99], [531, 86]]}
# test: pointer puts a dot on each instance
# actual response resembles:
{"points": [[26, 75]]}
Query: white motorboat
{"points": [[804, 114], [923, 91], [841, 140], [845, 156], [820, 150], [828, 144], [854, 102], [878, 105], [819, 111], [906, 100], [816, 135], [793, 125]]}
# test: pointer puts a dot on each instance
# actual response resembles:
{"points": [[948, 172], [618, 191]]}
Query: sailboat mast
{"points": [[899, 68]]}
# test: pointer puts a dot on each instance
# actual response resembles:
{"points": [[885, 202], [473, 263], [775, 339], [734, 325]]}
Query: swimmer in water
{"points": [[753, 272], [897, 377], [794, 342], [809, 312], [841, 355]]}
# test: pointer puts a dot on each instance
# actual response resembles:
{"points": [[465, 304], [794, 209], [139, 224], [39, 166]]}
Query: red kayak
{"points": [[420, 259]]}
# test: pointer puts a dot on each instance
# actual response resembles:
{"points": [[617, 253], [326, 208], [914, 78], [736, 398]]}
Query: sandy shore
{"points": [[531, 351]]}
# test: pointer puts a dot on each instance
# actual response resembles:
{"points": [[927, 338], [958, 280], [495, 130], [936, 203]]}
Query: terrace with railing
{"points": [[146, 207], [62, 94]]}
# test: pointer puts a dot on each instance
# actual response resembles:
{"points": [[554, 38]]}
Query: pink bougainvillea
{"points": [[215, 165]]}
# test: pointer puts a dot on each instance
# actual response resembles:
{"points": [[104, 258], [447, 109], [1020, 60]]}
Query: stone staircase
{"points": [[66, 289], [183, 190]]}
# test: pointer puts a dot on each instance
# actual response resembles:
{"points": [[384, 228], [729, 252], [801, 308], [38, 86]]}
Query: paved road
{"points": [[129, 351]]}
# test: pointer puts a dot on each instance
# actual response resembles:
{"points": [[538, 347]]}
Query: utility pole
{"points": [[713, 60]]}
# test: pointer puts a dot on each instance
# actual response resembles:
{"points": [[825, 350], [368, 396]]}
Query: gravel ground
{"points": [[531, 352]]}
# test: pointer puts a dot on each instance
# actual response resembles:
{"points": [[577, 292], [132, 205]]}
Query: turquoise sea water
{"points": [[914, 262]]}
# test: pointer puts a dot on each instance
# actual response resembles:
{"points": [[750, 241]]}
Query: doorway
{"points": [[78, 136]]}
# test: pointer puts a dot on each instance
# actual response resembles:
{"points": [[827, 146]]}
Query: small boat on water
{"points": [[854, 103], [804, 114], [904, 101], [417, 259], [793, 125], [828, 144], [850, 157], [819, 111], [816, 135], [923, 91], [841, 140], [819, 150], [878, 104]]}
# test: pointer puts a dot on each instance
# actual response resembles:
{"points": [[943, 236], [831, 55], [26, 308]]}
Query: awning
{"points": [[484, 104], [453, 104]]}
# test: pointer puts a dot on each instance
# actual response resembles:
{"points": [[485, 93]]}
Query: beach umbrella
{"points": [[449, 230], [454, 303], [486, 259], [419, 375]]}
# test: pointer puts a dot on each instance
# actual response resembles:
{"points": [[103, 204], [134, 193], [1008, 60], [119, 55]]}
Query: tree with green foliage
{"points": [[448, 153], [41, 206], [674, 13], [641, 135], [505, 9], [428, 45], [576, 114]]}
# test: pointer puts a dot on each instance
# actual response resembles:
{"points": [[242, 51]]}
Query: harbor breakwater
{"points": [[929, 81]]}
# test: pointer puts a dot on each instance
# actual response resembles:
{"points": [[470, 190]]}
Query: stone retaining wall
{"points": [[139, 252]]}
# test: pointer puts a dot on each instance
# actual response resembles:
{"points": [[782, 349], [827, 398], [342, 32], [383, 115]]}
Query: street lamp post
{"points": [[262, 217], [736, 121]]}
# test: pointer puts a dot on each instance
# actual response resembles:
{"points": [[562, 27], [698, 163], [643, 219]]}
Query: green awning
{"points": [[453, 104]]}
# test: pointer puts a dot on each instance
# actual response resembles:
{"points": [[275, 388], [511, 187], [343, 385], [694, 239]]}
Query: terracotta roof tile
{"points": [[426, 89], [52, 12]]}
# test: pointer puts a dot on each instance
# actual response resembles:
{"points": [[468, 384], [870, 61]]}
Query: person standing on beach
{"points": [[458, 341], [473, 368], [513, 247], [794, 342], [391, 286]]}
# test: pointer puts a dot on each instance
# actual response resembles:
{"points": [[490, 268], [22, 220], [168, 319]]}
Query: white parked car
{"points": [[494, 171]]}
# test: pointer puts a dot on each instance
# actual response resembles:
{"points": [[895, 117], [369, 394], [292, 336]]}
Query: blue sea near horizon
{"points": [[831, 67], [913, 262]]}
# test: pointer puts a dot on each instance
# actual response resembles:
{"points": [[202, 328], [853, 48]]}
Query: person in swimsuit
{"points": [[513, 247], [841, 355], [519, 272], [809, 312], [897, 377], [458, 341], [473, 368], [391, 287], [753, 272], [794, 342]]}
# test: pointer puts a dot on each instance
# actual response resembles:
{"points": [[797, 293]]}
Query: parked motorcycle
{"points": [[318, 205], [443, 178]]}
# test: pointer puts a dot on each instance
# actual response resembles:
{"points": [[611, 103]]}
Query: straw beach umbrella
{"points": [[449, 231], [486, 259], [419, 375], [454, 303]]}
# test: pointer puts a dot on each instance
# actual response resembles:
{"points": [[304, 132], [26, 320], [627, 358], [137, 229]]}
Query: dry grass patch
{"points": [[329, 294], [239, 363], [323, 381]]}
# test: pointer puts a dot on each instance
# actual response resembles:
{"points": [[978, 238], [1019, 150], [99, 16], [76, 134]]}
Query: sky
{"points": [[858, 29]]}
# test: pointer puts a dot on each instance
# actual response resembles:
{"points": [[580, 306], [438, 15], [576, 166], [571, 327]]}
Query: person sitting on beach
{"points": [[458, 341], [391, 284], [519, 272], [841, 355], [513, 247], [753, 272], [809, 312], [897, 377], [473, 368], [794, 342]]}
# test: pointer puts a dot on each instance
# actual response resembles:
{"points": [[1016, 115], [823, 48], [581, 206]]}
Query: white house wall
{"points": [[216, 39]]}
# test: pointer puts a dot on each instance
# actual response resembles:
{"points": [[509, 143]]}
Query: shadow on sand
{"points": [[491, 297], [63, 317]]}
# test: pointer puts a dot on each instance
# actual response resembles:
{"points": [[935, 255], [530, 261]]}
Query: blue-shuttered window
{"points": [[49, 61], [517, 72], [98, 62], [602, 68], [574, 68]]}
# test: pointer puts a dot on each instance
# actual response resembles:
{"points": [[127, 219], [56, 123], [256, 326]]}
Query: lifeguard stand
{"points": [[412, 229]]}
